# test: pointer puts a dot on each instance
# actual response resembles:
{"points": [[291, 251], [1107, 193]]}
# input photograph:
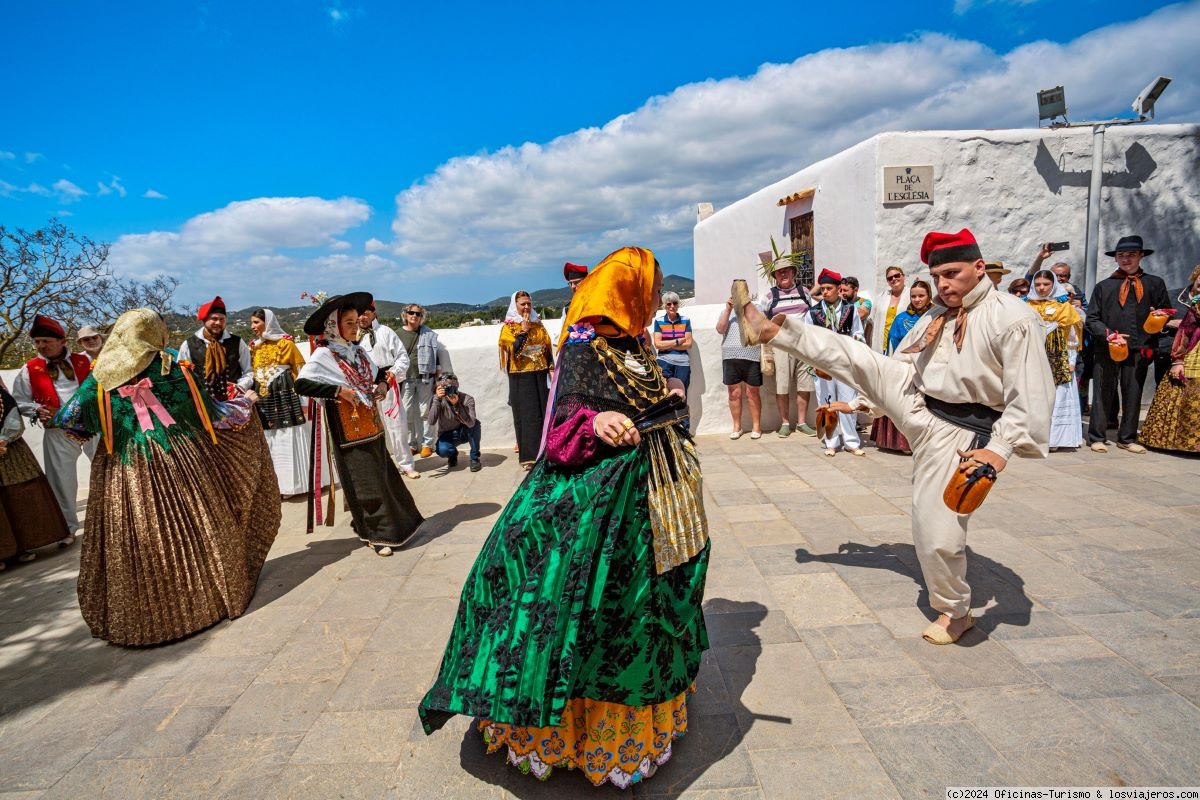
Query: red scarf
{"points": [[1135, 279]]}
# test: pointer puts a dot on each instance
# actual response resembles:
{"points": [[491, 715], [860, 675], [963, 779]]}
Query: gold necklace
{"points": [[648, 386]]}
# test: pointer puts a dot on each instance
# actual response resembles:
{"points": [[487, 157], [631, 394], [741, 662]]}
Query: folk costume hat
{"points": [[214, 306], [616, 297], [46, 327], [574, 271], [829, 276], [1129, 244], [137, 337], [359, 301], [943, 248]]}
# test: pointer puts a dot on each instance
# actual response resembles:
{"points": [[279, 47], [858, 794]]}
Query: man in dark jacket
{"points": [[1119, 306]]}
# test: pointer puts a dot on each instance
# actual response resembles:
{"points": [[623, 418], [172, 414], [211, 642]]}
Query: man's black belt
{"points": [[974, 417]]}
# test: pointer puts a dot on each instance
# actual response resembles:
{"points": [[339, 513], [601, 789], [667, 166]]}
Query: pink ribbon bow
{"points": [[144, 402]]}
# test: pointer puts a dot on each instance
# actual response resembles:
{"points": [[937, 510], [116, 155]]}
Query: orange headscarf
{"points": [[616, 297]]}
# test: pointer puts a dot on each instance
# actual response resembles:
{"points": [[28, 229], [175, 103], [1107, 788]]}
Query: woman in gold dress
{"points": [[526, 355], [1173, 421], [184, 503]]}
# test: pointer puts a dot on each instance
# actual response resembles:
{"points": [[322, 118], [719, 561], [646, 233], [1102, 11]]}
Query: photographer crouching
{"points": [[454, 413]]}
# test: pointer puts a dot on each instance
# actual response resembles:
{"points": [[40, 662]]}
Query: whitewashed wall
{"points": [[1013, 188]]}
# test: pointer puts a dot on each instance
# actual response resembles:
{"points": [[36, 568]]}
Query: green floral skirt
{"points": [[563, 602]]}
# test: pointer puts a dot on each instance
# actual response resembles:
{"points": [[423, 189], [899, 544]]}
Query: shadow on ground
{"points": [[994, 586], [710, 737]]}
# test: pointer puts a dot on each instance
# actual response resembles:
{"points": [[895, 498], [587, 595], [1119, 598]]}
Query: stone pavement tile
{"points": [[453, 763], [906, 622], [710, 756], [1175, 652], [894, 594], [119, 779], [358, 597], [749, 628], [414, 624], [711, 696], [902, 701], [922, 760], [1187, 685], [890, 521], [778, 532], [260, 632], [1089, 559], [1154, 591], [386, 680], [1036, 623], [740, 516], [781, 699], [276, 708], [1057, 581], [740, 589], [1099, 758], [324, 781], [1113, 626], [866, 505], [1025, 717], [354, 737], [782, 559], [846, 642], [1087, 678], [209, 681], [738, 496], [158, 733], [865, 670], [846, 771], [1126, 538], [817, 599], [20, 795], [1167, 727], [1055, 648], [1102, 602], [319, 651]]}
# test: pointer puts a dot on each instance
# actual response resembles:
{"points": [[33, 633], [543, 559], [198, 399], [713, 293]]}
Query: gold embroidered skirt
{"points": [[175, 542]]}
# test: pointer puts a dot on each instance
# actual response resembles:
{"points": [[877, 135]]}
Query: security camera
{"points": [[1143, 106]]}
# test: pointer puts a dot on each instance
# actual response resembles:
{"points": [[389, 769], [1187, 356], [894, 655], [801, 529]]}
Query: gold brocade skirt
{"points": [[1173, 421], [175, 542]]}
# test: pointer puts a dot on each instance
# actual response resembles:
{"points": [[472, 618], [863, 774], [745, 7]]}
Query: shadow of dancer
{"points": [[994, 587], [445, 521]]}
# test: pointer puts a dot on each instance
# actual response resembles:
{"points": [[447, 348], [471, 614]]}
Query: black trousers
{"points": [[1108, 376]]}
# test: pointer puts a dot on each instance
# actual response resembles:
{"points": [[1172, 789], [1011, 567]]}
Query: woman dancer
{"points": [[184, 503], [581, 617], [526, 356], [276, 362], [342, 374], [1173, 421], [920, 298], [1064, 335], [29, 515]]}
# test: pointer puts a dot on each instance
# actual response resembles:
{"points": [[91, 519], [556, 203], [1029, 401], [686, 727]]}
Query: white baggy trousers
{"points": [[939, 534]]}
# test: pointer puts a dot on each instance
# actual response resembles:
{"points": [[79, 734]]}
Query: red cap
{"points": [[572, 271], [214, 306], [942, 248], [47, 327], [829, 276]]}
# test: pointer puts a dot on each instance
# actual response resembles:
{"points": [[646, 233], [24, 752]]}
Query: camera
{"points": [[449, 384]]}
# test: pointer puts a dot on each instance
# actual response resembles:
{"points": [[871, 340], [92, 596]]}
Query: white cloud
{"points": [[113, 186], [38, 189], [5, 155], [637, 178], [374, 245], [154, 195], [339, 245], [963, 6], [67, 192], [242, 236], [32, 157]]}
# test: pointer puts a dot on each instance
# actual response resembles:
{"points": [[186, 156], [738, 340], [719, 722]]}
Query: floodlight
{"points": [[1052, 103], [1143, 106]]}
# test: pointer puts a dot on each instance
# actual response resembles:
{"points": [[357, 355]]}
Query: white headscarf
{"points": [[322, 366], [1058, 291], [272, 331], [512, 315]]}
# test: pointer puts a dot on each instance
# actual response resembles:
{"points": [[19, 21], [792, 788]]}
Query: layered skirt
{"points": [[288, 433], [29, 514], [568, 645], [174, 542], [1173, 421], [887, 436], [528, 394]]}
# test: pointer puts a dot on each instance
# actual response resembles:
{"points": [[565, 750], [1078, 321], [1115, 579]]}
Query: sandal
{"points": [[936, 634], [858, 451], [383, 550], [756, 434], [829, 451], [735, 435]]}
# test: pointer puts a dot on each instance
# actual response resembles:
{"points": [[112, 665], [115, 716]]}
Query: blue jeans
{"points": [[447, 442], [683, 373]]}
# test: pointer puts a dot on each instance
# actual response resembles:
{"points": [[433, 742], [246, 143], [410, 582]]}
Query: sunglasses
{"points": [[670, 303], [895, 277], [415, 313]]}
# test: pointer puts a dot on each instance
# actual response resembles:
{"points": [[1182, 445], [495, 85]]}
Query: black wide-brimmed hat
{"points": [[1129, 244], [359, 301]]}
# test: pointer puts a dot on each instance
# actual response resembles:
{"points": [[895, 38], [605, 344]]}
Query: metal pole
{"points": [[1092, 243]]}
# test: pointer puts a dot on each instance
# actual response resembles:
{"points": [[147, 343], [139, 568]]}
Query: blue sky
{"points": [[459, 151]]}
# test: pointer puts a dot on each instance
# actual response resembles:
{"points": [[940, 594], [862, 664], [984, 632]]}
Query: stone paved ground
{"points": [[1084, 669]]}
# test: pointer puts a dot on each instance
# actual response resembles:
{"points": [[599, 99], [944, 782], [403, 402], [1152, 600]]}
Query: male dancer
{"points": [[220, 357], [40, 388], [975, 385]]}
